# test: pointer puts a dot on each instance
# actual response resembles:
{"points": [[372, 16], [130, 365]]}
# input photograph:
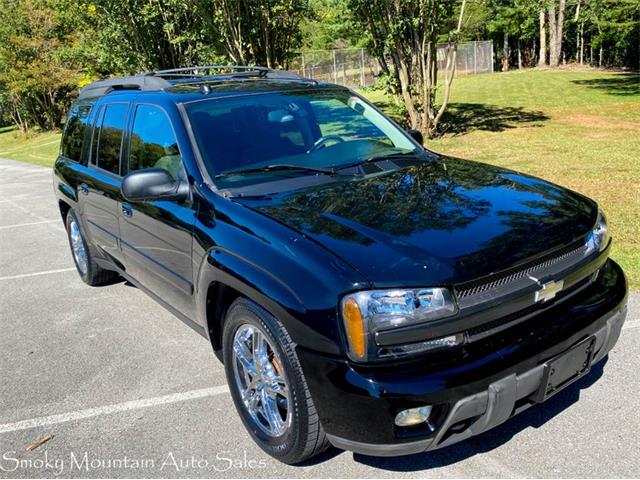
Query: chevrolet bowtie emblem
{"points": [[548, 291]]}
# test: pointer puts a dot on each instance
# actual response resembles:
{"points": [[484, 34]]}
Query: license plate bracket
{"points": [[566, 368]]}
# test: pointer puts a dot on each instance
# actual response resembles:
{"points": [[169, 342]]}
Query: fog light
{"points": [[413, 416]]}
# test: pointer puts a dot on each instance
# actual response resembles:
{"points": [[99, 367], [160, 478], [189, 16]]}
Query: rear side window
{"points": [[74, 132], [110, 137], [153, 143]]}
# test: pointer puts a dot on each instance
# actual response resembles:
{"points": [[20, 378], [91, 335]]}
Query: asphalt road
{"points": [[124, 389]]}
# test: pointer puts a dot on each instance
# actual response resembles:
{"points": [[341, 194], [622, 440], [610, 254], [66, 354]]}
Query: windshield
{"points": [[242, 139]]}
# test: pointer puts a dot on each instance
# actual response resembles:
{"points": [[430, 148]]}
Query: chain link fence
{"points": [[472, 57], [351, 67], [354, 67]]}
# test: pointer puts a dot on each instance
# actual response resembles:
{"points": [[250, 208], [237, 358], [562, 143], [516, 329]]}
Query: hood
{"points": [[443, 222]]}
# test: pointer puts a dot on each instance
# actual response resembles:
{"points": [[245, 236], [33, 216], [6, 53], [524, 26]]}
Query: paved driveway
{"points": [[126, 390]]}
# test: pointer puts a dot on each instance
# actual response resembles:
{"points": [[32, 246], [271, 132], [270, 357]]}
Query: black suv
{"points": [[361, 291]]}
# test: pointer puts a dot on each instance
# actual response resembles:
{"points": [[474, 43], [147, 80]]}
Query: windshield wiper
{"points": [[279, 166], [379, 158]]}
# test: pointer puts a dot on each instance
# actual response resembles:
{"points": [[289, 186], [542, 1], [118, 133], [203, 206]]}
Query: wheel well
{"points": [[219, 299], [64, 209]]}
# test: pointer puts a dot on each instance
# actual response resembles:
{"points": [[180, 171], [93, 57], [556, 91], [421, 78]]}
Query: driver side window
{"points": [[153, 143]]}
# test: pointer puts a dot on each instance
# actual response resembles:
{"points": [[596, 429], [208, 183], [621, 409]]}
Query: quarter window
{"points": [[153, 143], [110, 137], [74, 132]]}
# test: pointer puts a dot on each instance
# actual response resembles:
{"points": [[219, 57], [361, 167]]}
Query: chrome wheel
{"points": [[260, 379], [77, 247]]}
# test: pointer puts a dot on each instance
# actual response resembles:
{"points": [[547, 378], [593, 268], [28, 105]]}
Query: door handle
{"points": [[84, 188], [127, 211]]}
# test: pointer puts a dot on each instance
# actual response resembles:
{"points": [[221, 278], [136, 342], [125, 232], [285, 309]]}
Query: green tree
{"points": [[407, 32], [613, 28], [330, 24], [258, 32], [144, 35], [37, 70], [512, 22]]}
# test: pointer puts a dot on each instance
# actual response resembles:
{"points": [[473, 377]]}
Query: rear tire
{"points": [[294, 433], [90, 272]]}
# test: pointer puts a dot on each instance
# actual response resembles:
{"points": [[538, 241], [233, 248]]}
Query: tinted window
{"points": [[153, 143], [96, 134], [110, 137], [334, 117], [74, 132], [323, 128]]}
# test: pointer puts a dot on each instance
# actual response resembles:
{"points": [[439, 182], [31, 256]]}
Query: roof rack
{"points": [[224, 72], [138, 82], [163, 79], [207, 70]]}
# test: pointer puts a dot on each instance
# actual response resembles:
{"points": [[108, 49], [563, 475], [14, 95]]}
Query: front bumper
{"points": [[357, 405]]}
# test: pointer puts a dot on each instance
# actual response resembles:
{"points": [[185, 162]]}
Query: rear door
{"points": [[157, 236], [100, 191]]}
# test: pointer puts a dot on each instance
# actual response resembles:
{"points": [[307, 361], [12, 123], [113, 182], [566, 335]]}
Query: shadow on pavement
{"points": [[622, 84], [535, 417]]}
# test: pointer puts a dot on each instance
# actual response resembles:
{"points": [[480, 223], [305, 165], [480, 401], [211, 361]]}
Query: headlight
{"points": [[365, 313], [598, 238]]}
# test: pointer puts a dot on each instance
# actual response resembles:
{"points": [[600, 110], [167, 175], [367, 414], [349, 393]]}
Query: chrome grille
{"points": [[570, 254]]}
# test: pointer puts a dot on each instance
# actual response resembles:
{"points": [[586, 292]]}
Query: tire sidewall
{"points": [[287, 446], [71, 216]]}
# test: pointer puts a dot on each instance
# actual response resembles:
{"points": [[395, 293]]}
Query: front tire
{"points": [[268, 386], [90, 272]]}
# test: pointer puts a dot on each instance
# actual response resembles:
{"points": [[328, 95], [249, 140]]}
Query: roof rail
{"points": [[220, 72], [207, 70], [138, 82], [163, 79]]}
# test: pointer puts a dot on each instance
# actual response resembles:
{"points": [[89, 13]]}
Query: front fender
{"points": [[226, 267], [292, 277], [254, 282]]}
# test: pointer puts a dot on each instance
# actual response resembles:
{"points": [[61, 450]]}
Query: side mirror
{"points": [[416, 135], [153, 184]]}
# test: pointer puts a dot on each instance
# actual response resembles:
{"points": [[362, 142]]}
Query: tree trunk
{"points": [[519, 56], [578, 34], [556, 27], [600, 57], [450, 70], [405, 89], [542, 60], [553, 32], [505, 52], [600, 48], [582, 43], [560, 30]]}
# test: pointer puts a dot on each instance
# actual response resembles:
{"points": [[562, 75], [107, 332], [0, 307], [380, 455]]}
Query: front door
{"points": [[156, 236]]}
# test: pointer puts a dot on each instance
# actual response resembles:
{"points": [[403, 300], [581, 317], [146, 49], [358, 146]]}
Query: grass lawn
{"points": [[578, 129], [36, 147]]}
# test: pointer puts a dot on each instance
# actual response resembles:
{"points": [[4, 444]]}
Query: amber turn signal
{"points": [[355, 328]]}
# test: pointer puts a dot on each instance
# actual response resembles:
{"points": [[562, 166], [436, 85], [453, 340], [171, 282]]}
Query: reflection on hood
{"points": [[434, 221]]}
